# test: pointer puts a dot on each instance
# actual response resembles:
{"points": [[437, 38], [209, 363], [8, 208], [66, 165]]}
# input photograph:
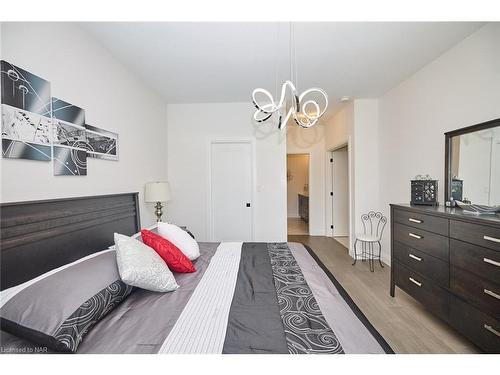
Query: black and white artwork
{"points": [[69, 139], [37, 126], [26, 112], [101, 144]]}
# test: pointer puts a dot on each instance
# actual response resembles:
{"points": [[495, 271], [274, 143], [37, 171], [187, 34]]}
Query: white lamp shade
{"points": [[157, 192]]}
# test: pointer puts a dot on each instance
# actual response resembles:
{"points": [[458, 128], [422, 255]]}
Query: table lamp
{"points": [[157, 192]]}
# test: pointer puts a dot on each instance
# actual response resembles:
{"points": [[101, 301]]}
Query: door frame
{"points": [[308, 183], [210, 218], [350, 187]]}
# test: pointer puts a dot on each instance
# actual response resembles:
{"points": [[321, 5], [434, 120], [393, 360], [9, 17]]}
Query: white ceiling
{"points": [[224, 62]]}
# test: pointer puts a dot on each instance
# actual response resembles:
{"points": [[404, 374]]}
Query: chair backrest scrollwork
{"points": [[373, 224]]}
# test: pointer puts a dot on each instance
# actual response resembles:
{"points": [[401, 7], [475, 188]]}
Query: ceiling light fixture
{"points": [[300, 109]]}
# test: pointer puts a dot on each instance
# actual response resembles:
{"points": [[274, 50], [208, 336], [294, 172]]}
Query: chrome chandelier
{"points": [[304, 110]]}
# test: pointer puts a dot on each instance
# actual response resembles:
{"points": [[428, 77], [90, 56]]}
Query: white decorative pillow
{"points": [[180, 238], [141, 266]]}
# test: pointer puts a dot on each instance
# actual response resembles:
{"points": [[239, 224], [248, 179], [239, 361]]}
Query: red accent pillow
{"points": [[175, 259]]}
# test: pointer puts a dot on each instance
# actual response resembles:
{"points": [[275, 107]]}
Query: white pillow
{"points": [[180, 238], [141, 266]]}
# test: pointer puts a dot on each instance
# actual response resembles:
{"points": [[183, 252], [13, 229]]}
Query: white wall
{"points": [[340, 127], [366, 163], [191, 127], [83, 73], [312, 142], [357, 125], [460, 88], [298, 167]]}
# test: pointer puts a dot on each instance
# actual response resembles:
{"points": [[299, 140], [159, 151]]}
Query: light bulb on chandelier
{"points": [[300, 110]]}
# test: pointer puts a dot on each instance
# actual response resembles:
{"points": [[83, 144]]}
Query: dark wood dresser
{"points": [[449, 261], [304, 207]]}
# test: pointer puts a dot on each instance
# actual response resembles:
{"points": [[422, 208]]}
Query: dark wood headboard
{"points": [[38, 236]]}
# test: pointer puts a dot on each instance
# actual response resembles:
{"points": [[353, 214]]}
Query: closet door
{"points": [[231, 172]]}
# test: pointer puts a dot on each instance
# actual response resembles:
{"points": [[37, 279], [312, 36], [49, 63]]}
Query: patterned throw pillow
{"points": [[175, 259], [140, 266], [57, 309]]}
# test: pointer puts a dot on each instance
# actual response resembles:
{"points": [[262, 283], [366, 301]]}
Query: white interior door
{"points": [[231, 191], [340, 198]]}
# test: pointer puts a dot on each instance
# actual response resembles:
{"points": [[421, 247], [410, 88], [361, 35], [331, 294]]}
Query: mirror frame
{"points": [[447, 151]]}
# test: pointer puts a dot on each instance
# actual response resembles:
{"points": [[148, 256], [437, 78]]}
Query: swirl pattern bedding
{"points": [[243, 298]]}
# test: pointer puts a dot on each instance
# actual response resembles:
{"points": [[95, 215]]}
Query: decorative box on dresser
{"points": [[449, 261]]}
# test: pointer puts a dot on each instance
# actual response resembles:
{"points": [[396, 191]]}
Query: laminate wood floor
{"points": [[297, 226], [402, 321]]}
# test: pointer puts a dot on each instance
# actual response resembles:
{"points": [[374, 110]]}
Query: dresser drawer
{"points": [[426, 265], [480, 292], [478, 327], [430, 243], [481, 235], [433, 297], [478, 260], [421, 221]]}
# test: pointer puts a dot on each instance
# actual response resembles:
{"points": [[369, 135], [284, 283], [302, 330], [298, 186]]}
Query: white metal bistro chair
{"points": [[373, 227]]}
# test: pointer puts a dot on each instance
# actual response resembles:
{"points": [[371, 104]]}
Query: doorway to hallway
{"points": [[297, 174]]}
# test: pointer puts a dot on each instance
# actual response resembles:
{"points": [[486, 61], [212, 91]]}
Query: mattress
{"points": [[243, 298]]}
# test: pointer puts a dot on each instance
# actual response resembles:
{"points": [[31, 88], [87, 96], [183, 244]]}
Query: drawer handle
{"points": [[415, 220], [491, 261], [493, 294], [415, 236], [491, 329], [492, 239], [415, 281], [415, 257]]}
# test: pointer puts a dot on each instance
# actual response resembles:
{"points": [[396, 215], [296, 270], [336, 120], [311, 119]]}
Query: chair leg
{"points": [[355, 252], [370, 257], [380, 254]]}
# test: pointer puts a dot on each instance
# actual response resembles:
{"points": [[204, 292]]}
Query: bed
{"points": [[243, 298]]}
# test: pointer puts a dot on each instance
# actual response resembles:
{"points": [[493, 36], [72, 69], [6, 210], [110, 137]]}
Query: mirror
{"points": [[473, 164]]}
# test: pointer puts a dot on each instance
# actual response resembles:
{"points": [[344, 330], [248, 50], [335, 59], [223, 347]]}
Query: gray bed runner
{"points": [[254, 324]]}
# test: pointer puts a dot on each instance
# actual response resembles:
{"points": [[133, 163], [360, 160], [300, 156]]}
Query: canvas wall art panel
{"points": [[70, 161], [37, 126], [101, 144], [69, 139], [26, 118]]}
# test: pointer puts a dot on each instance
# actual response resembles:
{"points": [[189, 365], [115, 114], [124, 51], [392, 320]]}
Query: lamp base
{"points": [[158, 211]]}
